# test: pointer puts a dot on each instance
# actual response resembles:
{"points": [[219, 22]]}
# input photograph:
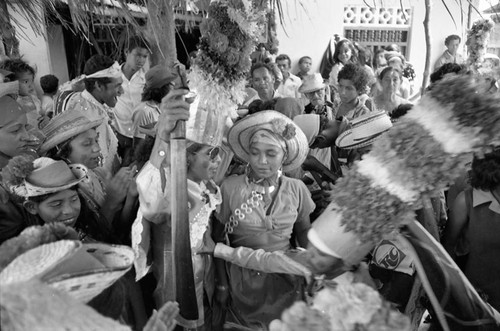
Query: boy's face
{"points": [[347, 90], [305, 65], [137, 58], [284, 66], [26, 86]]}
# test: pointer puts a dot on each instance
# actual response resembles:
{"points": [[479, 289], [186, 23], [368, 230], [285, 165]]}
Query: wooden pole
{"points": [[184, 288], [427, 67]]}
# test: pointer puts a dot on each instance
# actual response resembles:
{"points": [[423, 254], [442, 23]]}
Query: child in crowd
{"points": [[25, 74], [352, 81], [345, 52], [49, 85], [379, 61], [305, 64]]}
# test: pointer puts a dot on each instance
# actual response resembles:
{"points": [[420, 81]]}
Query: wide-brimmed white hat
{"points": [[364, 130], [241, 132], [312, 83]]}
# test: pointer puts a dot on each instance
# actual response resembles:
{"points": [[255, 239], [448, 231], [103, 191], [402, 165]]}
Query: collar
{"points": [[90, 98], [141, 72], [480, 197]]}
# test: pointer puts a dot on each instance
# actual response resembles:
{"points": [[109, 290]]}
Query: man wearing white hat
{"points": [[103, 86], [315, 89]]}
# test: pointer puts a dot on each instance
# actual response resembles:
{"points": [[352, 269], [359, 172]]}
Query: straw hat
{"points": [[364, 130], [241, 132], [159, 76], [81, 270], [50, 176], [312, 83], [37, 261], [65, 126], [309, 123]]}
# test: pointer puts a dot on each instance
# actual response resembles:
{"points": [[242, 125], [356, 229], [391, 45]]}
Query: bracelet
{"points": [[222, 288]]}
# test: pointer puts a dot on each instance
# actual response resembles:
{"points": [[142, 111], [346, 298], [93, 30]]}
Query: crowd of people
{"points": [[94, 155]]}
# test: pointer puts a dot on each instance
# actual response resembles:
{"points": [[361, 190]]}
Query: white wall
{"points": [[34, 49], [58, 60], [307, 32]]}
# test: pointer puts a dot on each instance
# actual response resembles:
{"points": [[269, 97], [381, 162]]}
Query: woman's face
{"points": [[14, 138], [203, 165], [85, 149], [382, 62], [391, 82], [265, 159], [345, 53], [61, 207]]}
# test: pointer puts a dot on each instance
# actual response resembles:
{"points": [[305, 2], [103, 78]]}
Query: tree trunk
{"points": [[10, 43], [425, 77], [161, 31]]}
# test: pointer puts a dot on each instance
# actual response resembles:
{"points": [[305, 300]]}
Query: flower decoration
{"points": [[229, 36], [285, 130], [346, 307], [420, 156], [18, 168], [477, 42], [409, 72]]}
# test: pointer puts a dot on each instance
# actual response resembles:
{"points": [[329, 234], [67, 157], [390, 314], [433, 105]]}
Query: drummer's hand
{"points": [[173, 108]]}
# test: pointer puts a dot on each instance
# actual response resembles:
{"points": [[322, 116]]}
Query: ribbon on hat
{"points": [[114, 71]]}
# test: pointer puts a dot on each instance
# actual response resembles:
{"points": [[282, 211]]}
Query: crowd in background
{"points": [[93, 153]]}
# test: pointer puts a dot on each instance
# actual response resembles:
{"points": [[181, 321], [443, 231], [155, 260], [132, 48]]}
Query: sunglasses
{"points": [[212, 153]]}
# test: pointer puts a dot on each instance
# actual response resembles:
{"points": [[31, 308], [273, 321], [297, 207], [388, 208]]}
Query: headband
{"points": [[267, 137], [114, 71]]}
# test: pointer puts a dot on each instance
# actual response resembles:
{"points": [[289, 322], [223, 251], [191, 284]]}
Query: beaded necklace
{"points": [[257, 196]]}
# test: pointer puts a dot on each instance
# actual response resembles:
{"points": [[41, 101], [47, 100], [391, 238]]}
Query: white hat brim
{"points": [[240, 133]]}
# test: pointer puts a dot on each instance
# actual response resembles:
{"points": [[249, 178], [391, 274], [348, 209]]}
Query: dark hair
{"points": [[135, 42], [156, 93], [282, 57], [364, 55], [388, 70], [446, 68], [338, 46], [262, 65], [451, 38], [17, 67], [302, 59], [60, 152], [259, 105], [375, 57], [485, 174], [49, 84], [94, 64], [393, 48], [400, 111], [44, 197], [356, 74]]}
